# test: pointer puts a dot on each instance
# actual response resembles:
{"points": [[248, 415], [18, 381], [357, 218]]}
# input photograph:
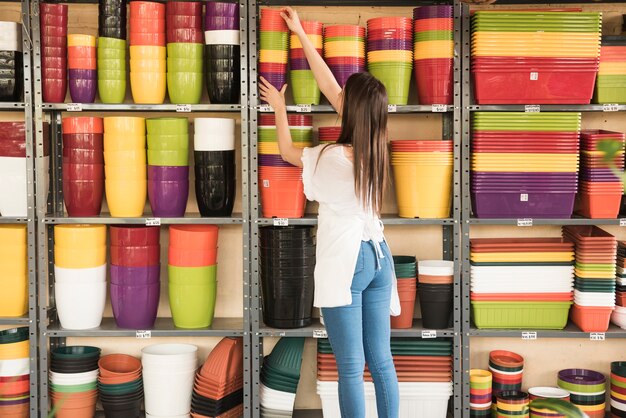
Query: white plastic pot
{"points": [[80, 305], [214, 134], [435, 267], [15, 367], [80, 276], [221, 37]]}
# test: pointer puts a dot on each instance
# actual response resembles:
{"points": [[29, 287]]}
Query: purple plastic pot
{"points": [[84, 74], [508, 205], [135, 307], [437, 11], [211, 24], [524, 190], [83, 90], [581, 376], [299, 64], [390, 45], [168, 199], [135, 276], [16, 402], [165, 173], [222, 9], [529, 175], [273, 160]]}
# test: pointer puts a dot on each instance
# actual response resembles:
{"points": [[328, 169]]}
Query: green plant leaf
{"points": [[559, 406], [610, 149]]}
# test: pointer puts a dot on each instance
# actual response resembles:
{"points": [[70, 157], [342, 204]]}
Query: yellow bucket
{"points": [[126, 198], [13, 294], [424, 192], [124, 125], [13, 234], [81, 40], [80, 258], [149, 65], [80, 236], [121, 142], [269, 55], [480, 376], [14, 351], [134, 172], [125, 158], [316, 40], [148, 88]]}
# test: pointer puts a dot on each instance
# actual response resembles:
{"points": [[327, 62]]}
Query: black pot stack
{"points": [[112, 19], [287, 262], [11, 62]]}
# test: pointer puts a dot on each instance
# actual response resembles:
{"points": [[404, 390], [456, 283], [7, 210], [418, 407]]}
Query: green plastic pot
{"points": [[572, 387], [168, 158], [117, 64], [618, 368], [184, 88], [184, 65], [396, 79], [120, 389], [111, 54], [301, 135], [115, 75], [184, 50], [111, 91], [111, 43], [167, 126], [76, 352], [168, 142], [480, 385], [344, 38], [193, 306], [73, 388], [305, 92], [520, 315], [192, 275], [618, 383], [433, 35], [268, 135]]}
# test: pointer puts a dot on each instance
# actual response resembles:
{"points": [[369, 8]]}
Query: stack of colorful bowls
{"points": [[286, 263], [120, 385], [547, 393], [215, 167], [594, 288], [13, 182], [618, 389], [112, 19], [329, 134], [135, 269], [422, 178], [507, 369], [405, 267], [83, 165], [521, 282], [168, 166], [600, 190], [14, 373], [184, 51], [125, 165], [611, 81], [480, 393], [221, 36], [512, 404], [618, 317], [53, 29], [13, 264], [192, 272], [147, 52], [82, 65], [344, 51], [282, 191], [524, 164], [168, 375], [535, 56], [435, 279], [80, 285], [112, 51], [587, 390], [390, 55], [280, 375], [12, 65], [273, 47], [218, 389], [433, 53], [303, 85], [73, 381]]}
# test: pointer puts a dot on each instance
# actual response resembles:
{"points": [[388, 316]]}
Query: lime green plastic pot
{"points": [[168, 158], [184, 88], [167, 126], [168, 142], [193, 306], [117, 64], [192, 275], [396, 79], [73, 388], [111, 91], [184, 65], [184, 50], [304, 87], [117, 75], [111, 43]]}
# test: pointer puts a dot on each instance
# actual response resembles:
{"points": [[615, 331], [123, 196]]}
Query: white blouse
{"points": [[342, 225]]}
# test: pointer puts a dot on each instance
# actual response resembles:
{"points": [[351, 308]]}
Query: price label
{"points": [[74, 107], [392, 108], [610, 107], [303, 108], [529, 335], [525, 222], [153, 221], [266, 183], [320, 333], [265, 108], [534, 76], [282, 334], [523, 197], [597, 336], [143, 334], [439, 108], [183, 108], [429, 334], [622, 222], [532, 108], [281, 222]]}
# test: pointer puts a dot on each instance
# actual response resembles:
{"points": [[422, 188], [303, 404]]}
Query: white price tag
{"points": [[392, 108], [622, 222], [143, 334], [281, 222], [529, 335], [534, 76], [597, 336], [183, 108], [265, 108], [74, 107], [303, 108], [282, 334], [523, 197], [429, 334], [610, 107], [153, 221], [525, 222], [266, 183], [532, 108], [320, 333], [439, 108]]}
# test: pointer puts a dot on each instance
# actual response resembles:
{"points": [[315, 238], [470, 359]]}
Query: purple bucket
{"points": [[509, 205], [277, 80], [273, 161], [221, 23], [299, 64], [437, 11], [168, 199], [165, 173], [390, 45], [222, 9], [135, 307], [135, 276], [498, 175], [84, 74], [83, 90], [582, 376]]}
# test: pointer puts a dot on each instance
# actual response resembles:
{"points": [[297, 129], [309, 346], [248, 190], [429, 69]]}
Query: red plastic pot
{"points": [[48, 19], [600, 204], [178, 21], [82, 156], [84, 141], [54, 51], [147, 39], [54, 90], [83, 197], [81, 52], [435, 81], [56, 41], [147, 8], [344, 30], [54, 62], [146, 25], [53, 31], [13, 148], [183, 8], [591, 319], [283, 199], [296, 53], [52, 8], [272, 67], [83, 125], [185, 35], [139, 256], [132, 236], [83, 171]]}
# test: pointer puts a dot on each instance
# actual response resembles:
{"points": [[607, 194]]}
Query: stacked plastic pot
{"points": [[435, 292], [600, 189], [303, 85], [280, 374], [168, 376], [480, 393], [422, 177], [13, 188], [273, 47], [329, 134], [390, 55], [11, 64], [594, 287], [507, 370], [120, 386], [618, 317], [73, 381], [618, 388], [611, 80], [215, 166], [13, 264], [433, 53], [80, 286], [286, 262], [524, 164], [406, 272], [125, 165], [168, 166], [147, 52], [184, 51], [535, 56], [83, 165], [14, 373], [512, 403], [193, 274], [587, 390], [218, 389], [282, 191], [135, 269], [222, 50], [82, 66], [112, 19], [53, 28], [521, 282], [344, 51], [112, 51]]}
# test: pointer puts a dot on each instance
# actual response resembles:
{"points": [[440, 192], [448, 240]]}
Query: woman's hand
{"points": [[273, 97], [293, 21]]}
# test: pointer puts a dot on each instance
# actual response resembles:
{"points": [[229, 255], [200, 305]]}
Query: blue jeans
{"points": [[361, 332]]}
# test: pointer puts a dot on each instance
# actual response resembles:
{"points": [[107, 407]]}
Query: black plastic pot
{"points": [[215, 407], [223, 87], [436, 305]]}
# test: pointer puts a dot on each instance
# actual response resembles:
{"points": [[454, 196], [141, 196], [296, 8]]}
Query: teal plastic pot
{"points": [[396, 78], [117, 64], [192, 276], [111, 91], [193, 306], [111, 43], [187, 51], [168, 142], [184, 65], [179, 158], [167, 126], [185, 88]]}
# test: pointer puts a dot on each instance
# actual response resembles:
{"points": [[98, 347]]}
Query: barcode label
{"points": [[392, 108], [610, 107], [529, 335], [622, 222], [74, 107], [525, 222], [281, 222], [429, 334], [597, 336], [534, 76], [439, 108], [532, 108], [153, 221], [320, 333], [265, 108], [183, 108], [523, 197], [143, 334], [305, 108]]}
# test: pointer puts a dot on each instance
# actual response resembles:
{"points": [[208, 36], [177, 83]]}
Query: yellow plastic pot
{"points": [[269, 55], [421, 55], [148, 88], [125, 158], [13, 234], [125, 125], [148, 52], [80, 236], [14, 350], [480, 376], [126, 198], [80, 258], [121, 142], [13, 294], [385, 56], [316, 40], [148, 65], [125, 172], [423, 192], [81, 40]]}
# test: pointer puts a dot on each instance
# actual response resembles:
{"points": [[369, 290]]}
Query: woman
{"points": [[355, 285]]}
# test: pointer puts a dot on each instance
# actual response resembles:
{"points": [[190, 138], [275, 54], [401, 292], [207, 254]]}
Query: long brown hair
{"points": [[364, 127]]}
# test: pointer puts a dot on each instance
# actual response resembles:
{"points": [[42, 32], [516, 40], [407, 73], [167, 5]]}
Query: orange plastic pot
{"points": [[19, 410], [118, 365], [407, 306], [181, 257], [194, 237], [7, 389], [423, 278], [283, 198], [82, 125], [591, 319], [82, 63], [600, 205]]}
